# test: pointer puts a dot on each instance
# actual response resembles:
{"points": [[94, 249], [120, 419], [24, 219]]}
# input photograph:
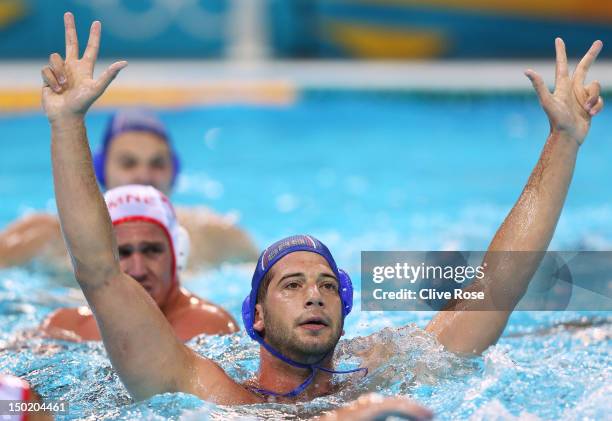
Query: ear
{"points": [[258, 323], [343, 332]]}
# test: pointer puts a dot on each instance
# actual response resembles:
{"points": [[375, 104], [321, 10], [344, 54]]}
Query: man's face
{"points": [[301, 314], [139, 157], [145, 255]]}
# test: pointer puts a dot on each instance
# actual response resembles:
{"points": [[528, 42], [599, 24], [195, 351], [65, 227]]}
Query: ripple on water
{"points": [[548, 365]]}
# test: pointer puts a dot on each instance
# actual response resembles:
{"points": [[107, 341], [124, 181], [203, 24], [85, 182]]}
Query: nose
{"points": [[314, 297], [137, 268], [144, 175]]}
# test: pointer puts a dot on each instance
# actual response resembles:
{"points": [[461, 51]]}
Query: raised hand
{"points": [[69, 88], [571, 105]]}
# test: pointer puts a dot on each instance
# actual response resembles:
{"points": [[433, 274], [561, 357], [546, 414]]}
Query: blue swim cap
{"points": [[126, 121], [268, 258]]}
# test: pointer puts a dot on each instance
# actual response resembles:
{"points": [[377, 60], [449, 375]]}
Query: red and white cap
{"points": [[145, 203], [14, 389]]}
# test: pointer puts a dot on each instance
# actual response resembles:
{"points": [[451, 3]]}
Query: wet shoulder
{"points": [[69, 317], [215, 238], [198, 316], [74, 324]]}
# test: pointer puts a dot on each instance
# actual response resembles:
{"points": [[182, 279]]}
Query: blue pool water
{"points": [[361, 172]]}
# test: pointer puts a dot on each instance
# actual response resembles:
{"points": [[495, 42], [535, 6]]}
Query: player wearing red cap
{"points": [[152, 248]]}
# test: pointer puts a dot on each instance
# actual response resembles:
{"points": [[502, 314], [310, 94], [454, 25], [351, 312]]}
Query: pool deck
{"points": [[186, 83]]}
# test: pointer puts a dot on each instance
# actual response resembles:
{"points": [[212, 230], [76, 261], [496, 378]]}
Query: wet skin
{"points": [[301, 312]]}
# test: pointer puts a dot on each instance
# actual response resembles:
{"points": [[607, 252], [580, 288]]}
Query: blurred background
{"points": [[434, 89], [437, 83], [384, 44], [314, 29]]}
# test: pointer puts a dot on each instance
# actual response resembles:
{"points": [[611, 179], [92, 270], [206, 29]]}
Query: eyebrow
{"points": [[151, 243], [159, 158], [290, 275], [125, 154], [132, 154], [301, 274]]}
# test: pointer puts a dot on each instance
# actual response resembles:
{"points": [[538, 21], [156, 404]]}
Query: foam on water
{"points": [[544, 366]]}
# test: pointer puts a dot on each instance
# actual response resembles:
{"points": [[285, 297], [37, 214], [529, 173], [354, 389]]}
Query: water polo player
{"points": [[153, 249], [299, 297], [136, 149]]}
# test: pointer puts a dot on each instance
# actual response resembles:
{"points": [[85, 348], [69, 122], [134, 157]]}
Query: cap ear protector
{"points": [[182, 248], [345, 291]]}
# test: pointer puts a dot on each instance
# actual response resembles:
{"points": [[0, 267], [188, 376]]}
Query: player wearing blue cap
{"points": [[136, 149], [299, 298], [310, 346]]}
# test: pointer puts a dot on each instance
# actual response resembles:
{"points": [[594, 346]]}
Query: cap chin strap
{"points": [[313, 371]]}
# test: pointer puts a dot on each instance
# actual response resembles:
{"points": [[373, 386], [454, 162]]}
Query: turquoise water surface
{"points": [[361, 172]]}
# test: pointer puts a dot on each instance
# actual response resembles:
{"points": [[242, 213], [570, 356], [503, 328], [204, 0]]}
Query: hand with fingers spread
{"points": [[69, 87], [571, 105]]}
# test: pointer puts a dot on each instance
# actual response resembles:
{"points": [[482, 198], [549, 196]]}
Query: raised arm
{"points": [[531, 223], [140, 342]]}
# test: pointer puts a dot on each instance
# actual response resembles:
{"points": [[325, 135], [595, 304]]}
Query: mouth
{"points": [[314, 323]]}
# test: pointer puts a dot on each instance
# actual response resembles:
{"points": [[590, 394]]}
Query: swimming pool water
{"points": [[361, 172]]}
